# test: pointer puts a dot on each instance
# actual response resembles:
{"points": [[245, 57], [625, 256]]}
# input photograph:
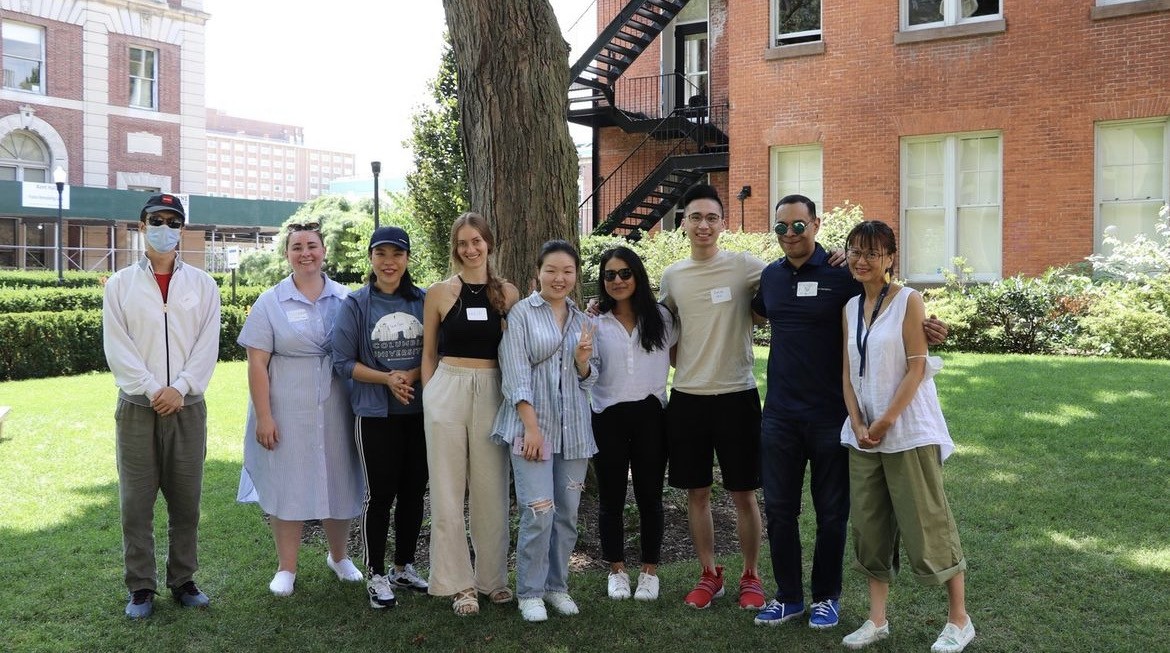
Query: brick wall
{"points": [[1042, 83], [167, 62], [122, 161]]}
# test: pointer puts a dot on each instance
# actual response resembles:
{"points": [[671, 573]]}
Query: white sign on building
{"points": [[42, 195]]}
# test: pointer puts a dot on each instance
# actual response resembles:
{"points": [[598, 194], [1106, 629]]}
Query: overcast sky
{"points": [[350, 72]]}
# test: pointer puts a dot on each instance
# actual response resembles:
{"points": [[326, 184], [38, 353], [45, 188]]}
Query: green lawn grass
{"points": [[1060, 486]]}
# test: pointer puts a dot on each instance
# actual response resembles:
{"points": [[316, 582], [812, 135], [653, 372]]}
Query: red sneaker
{"points": [[710, 587], [751, 592]]}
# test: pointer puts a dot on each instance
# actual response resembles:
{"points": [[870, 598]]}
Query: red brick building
{"points": [[1008, 133]]}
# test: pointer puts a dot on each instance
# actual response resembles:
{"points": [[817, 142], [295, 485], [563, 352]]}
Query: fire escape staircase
{"points": [[687, 142]]}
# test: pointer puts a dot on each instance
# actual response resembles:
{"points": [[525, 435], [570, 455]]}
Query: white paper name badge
{"points": [[720, 295], [476, 314], [297, 315], [806, 289]]}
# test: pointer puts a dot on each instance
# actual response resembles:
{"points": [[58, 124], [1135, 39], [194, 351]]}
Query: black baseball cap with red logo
{"points": [[163, 202]]}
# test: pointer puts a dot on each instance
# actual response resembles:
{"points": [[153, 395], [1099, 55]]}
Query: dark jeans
{"points": [[393, 453], [785, 447], [630, 437]]}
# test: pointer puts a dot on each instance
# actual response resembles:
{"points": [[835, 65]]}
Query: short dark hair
{"points": [[798, 199], [702, 192]]}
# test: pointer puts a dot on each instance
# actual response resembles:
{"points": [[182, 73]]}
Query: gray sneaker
{"points": [[408, 578], [381, 596], [189, 596], [141, 604]]}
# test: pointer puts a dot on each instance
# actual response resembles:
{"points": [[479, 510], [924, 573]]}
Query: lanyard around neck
{"points": [[863, 341]]}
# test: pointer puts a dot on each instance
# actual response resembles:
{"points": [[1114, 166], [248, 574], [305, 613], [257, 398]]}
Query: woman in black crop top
{"points": [[462, 327]]}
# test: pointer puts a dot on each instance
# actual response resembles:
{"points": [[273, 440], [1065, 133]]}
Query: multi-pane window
{"points": [[796, 21], [952, 205], [938, 13], [795, 170], [23, 157], [1133, 176], [24, 56], [143, 78]]}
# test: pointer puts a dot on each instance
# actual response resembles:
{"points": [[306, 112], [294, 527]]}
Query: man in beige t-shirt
{"points": [[714, 407]]}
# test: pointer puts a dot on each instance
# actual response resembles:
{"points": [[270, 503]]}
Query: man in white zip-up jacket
{"points": [[160, 322]]}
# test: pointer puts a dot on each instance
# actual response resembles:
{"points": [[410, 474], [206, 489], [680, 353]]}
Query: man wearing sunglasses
{"points": [[160, 321], [802, 296]]}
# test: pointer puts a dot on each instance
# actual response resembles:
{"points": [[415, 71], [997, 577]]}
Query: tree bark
{"points": [[513, 98]]}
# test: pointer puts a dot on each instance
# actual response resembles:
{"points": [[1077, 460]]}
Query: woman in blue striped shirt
{"points": [[545, 420]]}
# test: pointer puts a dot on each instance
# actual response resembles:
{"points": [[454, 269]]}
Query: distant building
{"points": [[253, 159], [111, 92]]}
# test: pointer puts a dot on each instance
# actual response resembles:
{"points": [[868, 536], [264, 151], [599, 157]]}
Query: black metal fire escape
{"points": [[681, 144]]}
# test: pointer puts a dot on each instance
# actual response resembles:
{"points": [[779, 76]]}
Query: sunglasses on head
{"points": [[797, 227], [624, 273], [158, 221], [306, 226]]}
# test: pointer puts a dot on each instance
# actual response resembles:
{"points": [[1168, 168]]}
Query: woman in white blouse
{"points": [[897, 441], [634, 338]]}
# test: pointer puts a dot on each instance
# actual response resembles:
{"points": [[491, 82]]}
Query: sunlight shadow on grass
{"points": [[1156, 559], [1061, 415]]}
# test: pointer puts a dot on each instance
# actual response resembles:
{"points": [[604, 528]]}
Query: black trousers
{"points": [[393, 453], [631, 437]]}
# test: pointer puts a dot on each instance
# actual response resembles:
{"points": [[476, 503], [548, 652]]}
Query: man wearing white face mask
{"points": [[160, 321]]}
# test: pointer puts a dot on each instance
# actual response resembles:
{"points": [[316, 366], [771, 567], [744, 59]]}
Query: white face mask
{"points": [[162, 238]]}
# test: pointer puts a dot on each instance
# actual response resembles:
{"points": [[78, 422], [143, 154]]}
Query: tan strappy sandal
{"points": [[500, 595], [466, 603]]}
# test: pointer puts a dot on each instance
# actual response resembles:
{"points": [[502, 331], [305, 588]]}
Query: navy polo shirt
{"points": [[803, 306]]}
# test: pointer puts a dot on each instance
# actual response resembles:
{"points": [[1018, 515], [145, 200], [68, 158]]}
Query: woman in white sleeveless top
{"points": [[897, 441]]}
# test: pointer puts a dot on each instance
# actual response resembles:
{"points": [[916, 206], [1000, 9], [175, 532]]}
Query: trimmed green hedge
{"points": [[62, 343], [19, 279], [31, 300]]}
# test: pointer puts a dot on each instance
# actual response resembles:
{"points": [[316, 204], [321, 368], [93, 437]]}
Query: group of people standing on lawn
{"points": [[358, 399]]}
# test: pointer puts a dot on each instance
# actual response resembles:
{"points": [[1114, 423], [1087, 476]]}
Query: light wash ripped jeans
{"points": [[548, 533]]}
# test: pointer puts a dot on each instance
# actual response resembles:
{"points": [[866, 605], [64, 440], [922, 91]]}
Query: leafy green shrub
{"points": [[31, 300], [1144, 257], [1129, 320], [62, 343], [50, 343], [40, 279]]}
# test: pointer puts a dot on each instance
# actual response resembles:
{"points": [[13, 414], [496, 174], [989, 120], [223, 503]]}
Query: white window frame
{"points": [[1098, 200], [774, 191], [153, 80], [794, 38], [950, 206], [41, 63], [952, 15]]}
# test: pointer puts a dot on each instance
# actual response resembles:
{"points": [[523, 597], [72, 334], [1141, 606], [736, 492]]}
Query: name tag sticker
{"points": [[476, 314], [297, 315], [720, 295], [188, 301], [806, 289]]}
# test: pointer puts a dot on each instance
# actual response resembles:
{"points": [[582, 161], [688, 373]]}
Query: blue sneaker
{"points": [[824, 614], [777, 613]]}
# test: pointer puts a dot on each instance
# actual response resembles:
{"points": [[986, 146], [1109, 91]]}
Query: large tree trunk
{"points": [[513, 96]]}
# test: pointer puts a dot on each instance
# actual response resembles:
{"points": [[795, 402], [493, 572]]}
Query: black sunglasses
{"points": [[307, 226], [624, 273], [156, 221], [797, 227]]}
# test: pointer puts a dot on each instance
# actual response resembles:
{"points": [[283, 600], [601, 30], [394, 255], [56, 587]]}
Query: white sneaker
{"points": [[344, 569], [619, 585], [866, 635], [381, 596], [561, 602], [533, 610], [408, 578], [647, 587], [953, 639], [282, 583]]}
